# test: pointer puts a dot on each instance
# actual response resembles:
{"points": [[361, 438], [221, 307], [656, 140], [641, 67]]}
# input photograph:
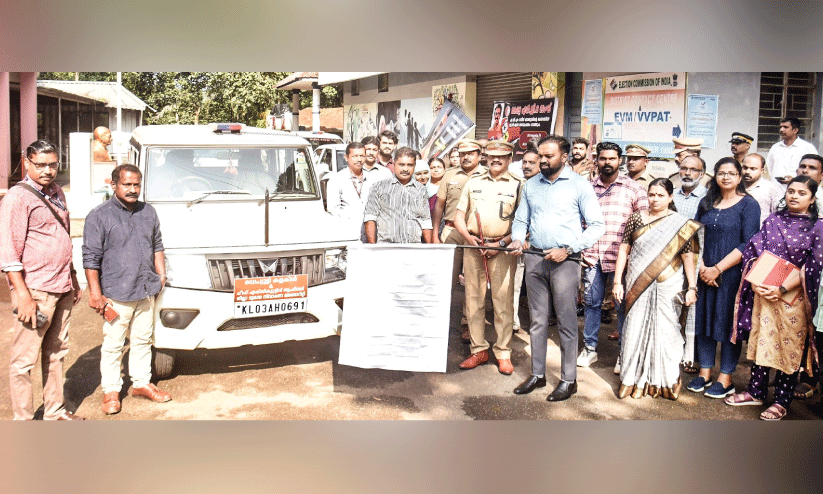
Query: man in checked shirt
{"points": [[35, 254], [619, 197]]}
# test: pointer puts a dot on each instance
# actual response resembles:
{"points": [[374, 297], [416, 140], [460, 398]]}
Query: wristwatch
{"points": [[782, 290], [502, 243], [569, 251]]}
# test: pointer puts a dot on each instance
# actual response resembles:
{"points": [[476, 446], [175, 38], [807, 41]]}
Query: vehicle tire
{"points": [[162, 363]]}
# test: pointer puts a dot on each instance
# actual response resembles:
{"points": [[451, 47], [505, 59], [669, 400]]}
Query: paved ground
{"points": [[302, 380]]}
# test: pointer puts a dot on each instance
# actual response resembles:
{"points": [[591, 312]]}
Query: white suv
{"points": [[251, 255]]}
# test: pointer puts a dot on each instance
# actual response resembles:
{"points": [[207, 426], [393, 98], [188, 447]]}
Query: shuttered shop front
{"points": [[506, 86]]}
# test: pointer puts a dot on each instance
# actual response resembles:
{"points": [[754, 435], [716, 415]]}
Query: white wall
{"points": [[738, 107]]}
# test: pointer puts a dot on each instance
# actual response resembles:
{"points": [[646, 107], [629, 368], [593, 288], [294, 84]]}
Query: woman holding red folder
{"points": [[777, 330]]}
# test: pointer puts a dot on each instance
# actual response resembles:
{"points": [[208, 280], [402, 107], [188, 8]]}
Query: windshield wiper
{"points": [[207, 194]]}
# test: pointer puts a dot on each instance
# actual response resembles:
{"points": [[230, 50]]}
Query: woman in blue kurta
{"points": [[730, 217]]}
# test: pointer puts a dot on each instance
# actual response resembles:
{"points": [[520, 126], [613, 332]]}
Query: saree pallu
{"points": [[652, 346]]}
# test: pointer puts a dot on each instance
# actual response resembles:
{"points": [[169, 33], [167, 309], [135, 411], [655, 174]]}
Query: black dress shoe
{"points": [[563, 391], [605, 317], [530, 384]]}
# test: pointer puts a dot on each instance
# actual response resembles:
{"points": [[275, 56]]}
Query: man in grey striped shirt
{"points": [[397, 210]]}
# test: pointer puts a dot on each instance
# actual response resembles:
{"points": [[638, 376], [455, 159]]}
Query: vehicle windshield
{"points": [[186, 174]]}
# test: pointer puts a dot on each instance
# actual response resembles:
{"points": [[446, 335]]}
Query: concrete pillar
{"points": [[5, 131], [315, 107], [28, 112], [295, 109]]}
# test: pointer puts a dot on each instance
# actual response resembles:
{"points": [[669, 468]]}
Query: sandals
{"points": [[690, 368], [742, 399], [774, 412], [804, 391]]}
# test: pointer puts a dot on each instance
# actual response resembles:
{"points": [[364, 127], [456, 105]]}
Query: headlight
{"points": [[335, 265], [188, 271]]}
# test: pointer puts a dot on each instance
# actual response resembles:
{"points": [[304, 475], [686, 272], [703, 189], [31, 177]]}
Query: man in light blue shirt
{"points": [[553, 207]]}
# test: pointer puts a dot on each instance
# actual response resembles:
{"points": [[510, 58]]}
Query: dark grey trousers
{"points": [[552, 289]]}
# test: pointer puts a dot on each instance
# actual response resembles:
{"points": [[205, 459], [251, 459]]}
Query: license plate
{"points": [[271, 295]]}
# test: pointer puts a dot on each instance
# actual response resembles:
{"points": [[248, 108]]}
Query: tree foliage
{"points": [[202, 97]]}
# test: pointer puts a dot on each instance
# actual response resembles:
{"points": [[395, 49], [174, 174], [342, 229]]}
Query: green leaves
{"points": [[204, 97]]}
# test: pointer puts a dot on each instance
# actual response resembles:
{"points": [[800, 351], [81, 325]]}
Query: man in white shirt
{"points": [[784, 156], [765, 192], [348, 190]]}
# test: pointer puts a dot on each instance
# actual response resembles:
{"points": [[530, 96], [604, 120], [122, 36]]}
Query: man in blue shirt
{"points": [[125, 267], [552, 208]]}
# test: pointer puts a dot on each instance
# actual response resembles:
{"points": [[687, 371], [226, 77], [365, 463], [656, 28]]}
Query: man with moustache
{"points": [[125, 268], [448, 195], [766, 192], [784, 155], [619, 197], [487, 204], [553, 208], [371, 167], [686, 199], [579, 161], [811, 165], [530, 167], [637, 162], [740, 145], [397, 210], [35, 255], [348, 190], [388, 142], [484, 158]]}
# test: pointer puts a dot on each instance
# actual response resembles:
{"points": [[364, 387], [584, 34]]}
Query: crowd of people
{"points": [[676, 256], [681, 257]]}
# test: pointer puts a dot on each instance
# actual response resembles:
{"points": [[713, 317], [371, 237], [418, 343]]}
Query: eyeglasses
{"points": [[727, 174], [42, 166]]}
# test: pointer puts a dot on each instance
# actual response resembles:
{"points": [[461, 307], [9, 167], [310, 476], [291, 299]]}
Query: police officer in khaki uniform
{"points": [[451, 186], [637, 164], [494, 195]]}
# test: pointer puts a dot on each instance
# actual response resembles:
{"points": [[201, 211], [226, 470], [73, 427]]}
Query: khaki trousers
{"points": [[452, 236], [50, 343], [501, 273], [136, 318]]}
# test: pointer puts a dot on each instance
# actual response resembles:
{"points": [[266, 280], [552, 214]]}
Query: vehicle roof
{"points": [[325, 135], [187, 135], [332, 146]]}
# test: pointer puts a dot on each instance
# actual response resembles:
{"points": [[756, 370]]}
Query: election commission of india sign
{"points": [[646, 109]]}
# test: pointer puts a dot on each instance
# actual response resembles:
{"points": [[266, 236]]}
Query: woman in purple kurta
{"points": [[776, 330]]}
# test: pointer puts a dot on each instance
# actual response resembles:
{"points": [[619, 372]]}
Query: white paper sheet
{"points": [[396, 307]]}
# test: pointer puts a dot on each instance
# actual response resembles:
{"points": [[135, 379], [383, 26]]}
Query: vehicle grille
{"points": [[262, 322], [223, 272]]}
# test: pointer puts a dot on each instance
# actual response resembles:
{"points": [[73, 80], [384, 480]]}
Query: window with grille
{"points": [[782, 95]]}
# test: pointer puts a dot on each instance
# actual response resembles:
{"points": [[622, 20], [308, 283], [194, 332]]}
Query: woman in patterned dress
{"points": [[776, 330], [659, 247]]}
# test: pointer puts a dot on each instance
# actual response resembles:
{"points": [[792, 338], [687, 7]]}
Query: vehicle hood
{"points": [[241, 224]]}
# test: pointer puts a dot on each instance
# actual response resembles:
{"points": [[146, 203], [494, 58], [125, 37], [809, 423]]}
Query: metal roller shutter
{"points": [[505, 86]]}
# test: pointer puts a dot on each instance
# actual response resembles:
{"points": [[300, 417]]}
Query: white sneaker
{"points": [[587, 357], [617, 366]]}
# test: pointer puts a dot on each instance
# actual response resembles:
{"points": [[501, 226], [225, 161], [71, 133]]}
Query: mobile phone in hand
{"points": [[109, 313], [42, 319]]}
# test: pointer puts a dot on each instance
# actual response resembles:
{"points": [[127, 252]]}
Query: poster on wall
{"points": [[388, 117], [450, 126], [415, 122], [647, 109], [360, 121], [701, 118], [453, 93], [519, 121], [592, 101], [544, 85]]}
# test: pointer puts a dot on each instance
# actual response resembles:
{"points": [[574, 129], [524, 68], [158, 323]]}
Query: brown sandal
{"points": [[774, 412], [804, 391], [690, 368]]}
